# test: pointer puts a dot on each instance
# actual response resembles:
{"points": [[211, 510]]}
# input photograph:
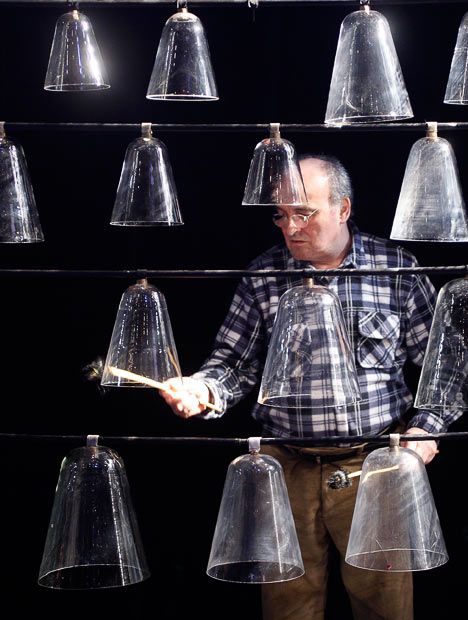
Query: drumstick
{"points": [[126, 374]]}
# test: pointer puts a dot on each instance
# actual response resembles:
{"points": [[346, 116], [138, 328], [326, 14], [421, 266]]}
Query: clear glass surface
{"points": [[395, 525], [142, 341], [457, 85], [255, 540], [274, 176], [19, 219], [431, 205], [182, 69], [75, 61], [367, 84], [443, 383], [309, 363], [146, 195], [93, 539]]}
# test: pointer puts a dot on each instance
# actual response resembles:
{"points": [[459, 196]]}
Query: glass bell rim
{"points": [[76, 87]]}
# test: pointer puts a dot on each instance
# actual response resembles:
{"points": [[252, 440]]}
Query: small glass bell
{"points": [[182, 70], [367, 84], [255, 540], [19, 219], [443, 383], [309, 363], [275, 177], [395, 525], [431, 205], [75, 62], [93, 539], [146, 195], [142, 342]]}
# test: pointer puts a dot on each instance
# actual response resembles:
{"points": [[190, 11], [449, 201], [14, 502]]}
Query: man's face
{"points": [[323, 235]]}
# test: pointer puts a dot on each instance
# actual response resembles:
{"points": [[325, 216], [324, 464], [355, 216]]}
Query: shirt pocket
{"points": [[378, 334]]}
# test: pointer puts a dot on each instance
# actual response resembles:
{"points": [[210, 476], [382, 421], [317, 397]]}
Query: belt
{"points": [[329, 457]]}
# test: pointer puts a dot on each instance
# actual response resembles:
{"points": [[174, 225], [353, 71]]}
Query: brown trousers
{"points": [[323, 517]]}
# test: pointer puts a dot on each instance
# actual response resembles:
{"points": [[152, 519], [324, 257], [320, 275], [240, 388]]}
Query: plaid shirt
{"points": [[387, 318]]}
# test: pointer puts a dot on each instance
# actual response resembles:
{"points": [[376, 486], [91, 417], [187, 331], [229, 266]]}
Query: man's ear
{"points": [[345, 210]]}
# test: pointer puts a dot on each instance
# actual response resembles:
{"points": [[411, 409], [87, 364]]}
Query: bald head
{"points": [[330, 167]]}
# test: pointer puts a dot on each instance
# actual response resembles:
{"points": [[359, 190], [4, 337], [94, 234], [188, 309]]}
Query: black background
{"points": [[274, 68]]}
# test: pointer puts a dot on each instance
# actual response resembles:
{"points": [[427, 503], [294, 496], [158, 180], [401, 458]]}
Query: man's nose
{"points": [[292, 226]]}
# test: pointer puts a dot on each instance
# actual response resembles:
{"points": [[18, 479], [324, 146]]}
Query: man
{"points": [[388, 320]]}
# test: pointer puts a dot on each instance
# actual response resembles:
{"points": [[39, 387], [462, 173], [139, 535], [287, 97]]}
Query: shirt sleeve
{"points": [[234, 366], [419, 313]]}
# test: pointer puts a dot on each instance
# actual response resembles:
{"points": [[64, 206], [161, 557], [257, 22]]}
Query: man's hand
{"points": [[185, 396], [426, 449]]}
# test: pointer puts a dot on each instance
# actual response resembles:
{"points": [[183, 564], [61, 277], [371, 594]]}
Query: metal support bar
{"points": [[139, 274], [236, 441], [227, 127]]}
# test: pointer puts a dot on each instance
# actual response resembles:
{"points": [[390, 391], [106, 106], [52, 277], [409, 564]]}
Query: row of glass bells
{"points": [[93, 539], [430, 207], [367, 84]]}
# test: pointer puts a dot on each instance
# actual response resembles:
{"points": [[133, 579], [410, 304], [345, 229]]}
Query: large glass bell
{"points": [[182, 70], [443, 383], [146, 195], [310, 363], [19, 219], [255, 540], [142, 342], [93, 539], [457, 85], [367, 84], [431, 205], [75, 62], [395, 525], [275, 177]]}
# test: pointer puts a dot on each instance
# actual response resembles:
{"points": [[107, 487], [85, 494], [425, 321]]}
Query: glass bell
{"points": [[443, 384], [75, 62], [93, 539], [431, 205], [142, 342], [367, 84], [310, 363], [182, 70], [457, 85], [146, 195], [19, 219], [255, 540], [275, 177], [395, 525]]}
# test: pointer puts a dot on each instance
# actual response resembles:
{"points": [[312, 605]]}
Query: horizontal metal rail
{"points": [[226, 273], [237, 441], [227, 127]]}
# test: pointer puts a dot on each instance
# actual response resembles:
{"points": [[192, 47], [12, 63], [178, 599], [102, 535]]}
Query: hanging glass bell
{"points": [[142, 342], [443, 383], [275, 177], [367, 84], [255, 540], [395, 525], [431, 205], [310, 363], [19, 219], [146, 195], [182, 70], [75, 62], [457, 85], [93, 539]]}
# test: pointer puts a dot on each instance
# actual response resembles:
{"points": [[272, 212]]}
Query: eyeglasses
{"points": [[300, 220]]}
